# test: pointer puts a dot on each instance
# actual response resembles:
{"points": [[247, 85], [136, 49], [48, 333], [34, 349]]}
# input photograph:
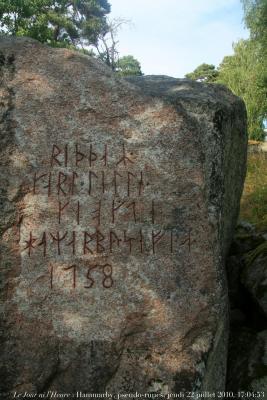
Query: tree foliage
{"points": [[80, 24], [204, 73], [245, 75], [128, 66], [256, 20], [107, 49], [56, 22], [245, 72], [107, 45]]}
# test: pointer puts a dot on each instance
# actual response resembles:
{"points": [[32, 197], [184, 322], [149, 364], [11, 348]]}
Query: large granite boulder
{"points": [[118, 203]]}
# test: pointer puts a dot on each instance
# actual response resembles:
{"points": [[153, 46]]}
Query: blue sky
{"points": [[172, 37]]}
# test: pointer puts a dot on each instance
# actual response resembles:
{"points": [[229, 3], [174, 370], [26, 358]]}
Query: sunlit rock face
{"points": [[118, 202]]}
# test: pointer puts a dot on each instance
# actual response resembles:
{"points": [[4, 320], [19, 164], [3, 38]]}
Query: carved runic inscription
{"points": [[95, 204]]}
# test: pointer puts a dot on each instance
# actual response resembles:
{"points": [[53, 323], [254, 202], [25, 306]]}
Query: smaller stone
{"points": [[244, 242], [240, 346], [234, 268], [258, 364], [247, 368], [245, 225], [237, 317], [254, 278]]}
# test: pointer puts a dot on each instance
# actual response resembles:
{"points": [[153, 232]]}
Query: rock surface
{"points": [[118, 202]]}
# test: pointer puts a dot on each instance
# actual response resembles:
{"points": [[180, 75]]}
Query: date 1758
{"points": [[105, 271]]}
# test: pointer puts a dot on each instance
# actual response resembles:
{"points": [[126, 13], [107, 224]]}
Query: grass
{"points": [[254, 199]]}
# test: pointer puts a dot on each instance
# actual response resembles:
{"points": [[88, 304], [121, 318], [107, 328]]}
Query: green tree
{"points": [[107, 49], [204, 73], [244, 73], [107, 44], [56, 22], [256, 20], [79, 24], [128, 65]]}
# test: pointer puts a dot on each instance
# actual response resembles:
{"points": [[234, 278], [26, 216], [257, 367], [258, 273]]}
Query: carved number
{"points": [[107, 282]]}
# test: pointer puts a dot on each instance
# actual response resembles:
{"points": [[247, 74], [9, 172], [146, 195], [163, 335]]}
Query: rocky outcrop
{"points": [[118, 204], [246, 267]]}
